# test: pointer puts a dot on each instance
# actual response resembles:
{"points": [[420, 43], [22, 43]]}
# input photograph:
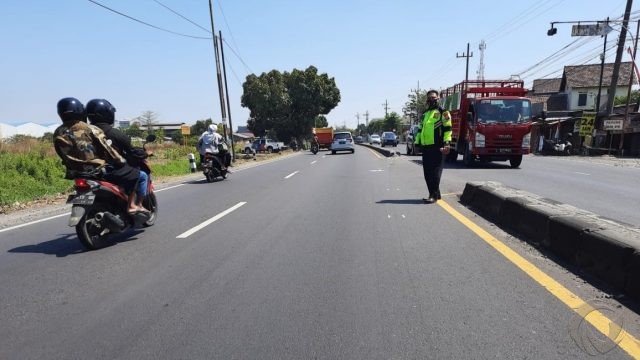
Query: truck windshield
{"points": [[504, 111]]}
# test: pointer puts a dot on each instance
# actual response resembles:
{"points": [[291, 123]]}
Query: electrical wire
{"points": [[175, 12], [144, 23]]}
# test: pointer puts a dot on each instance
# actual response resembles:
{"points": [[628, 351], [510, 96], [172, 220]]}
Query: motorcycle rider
{"points": [[101, 113], [210, 142]]}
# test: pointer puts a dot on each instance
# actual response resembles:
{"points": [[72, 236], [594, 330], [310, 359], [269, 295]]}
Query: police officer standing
{"points": [[434, 136]]}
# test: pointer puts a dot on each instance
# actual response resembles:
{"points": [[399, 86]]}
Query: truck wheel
{"points": [[247, 151], [468, 158], [515, 161], [270, 150]]}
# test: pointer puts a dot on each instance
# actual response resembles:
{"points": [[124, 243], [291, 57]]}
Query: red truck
{"points": [[491, 121], [325, 137]]}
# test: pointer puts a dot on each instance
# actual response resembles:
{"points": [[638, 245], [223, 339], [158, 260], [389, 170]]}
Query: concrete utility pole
{"points": [[226, 90], [616, 66], [626, 109], [366, 118], [219, 72], [467, 55], [482, 47], [602, 56], [358, 117], [386, 108]]}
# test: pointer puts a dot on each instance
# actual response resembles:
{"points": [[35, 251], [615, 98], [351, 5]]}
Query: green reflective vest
{"points": [[435, 128]]}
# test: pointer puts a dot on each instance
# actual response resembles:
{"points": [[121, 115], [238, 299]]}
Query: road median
{"points": [[605, 248]]}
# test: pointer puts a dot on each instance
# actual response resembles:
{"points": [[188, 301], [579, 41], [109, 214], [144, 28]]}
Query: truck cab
{"points": [[491, 121]]}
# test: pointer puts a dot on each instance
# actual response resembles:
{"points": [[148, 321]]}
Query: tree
{"points": [[376, 126], [320, 121], [133, 130], [392, 122], [416, 105], [148, 119], [622, 100], [287, 104], [200, 126]]}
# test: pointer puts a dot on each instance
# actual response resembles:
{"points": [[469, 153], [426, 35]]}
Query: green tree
{"points": [[133, 130], [376, 126], [320, 121], [622, 100], [200, 126], [415, 106], [392, 122], [287, 104], [177, 137]]}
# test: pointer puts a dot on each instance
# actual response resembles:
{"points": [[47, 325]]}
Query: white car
{"points": [[374, 139], [342, 141]]}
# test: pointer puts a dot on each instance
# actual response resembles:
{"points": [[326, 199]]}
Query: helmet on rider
{"points": [[100, 111], [71, 109], [213, 128]]}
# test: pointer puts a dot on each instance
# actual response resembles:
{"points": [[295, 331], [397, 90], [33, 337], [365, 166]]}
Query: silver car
{"points": [[342, 141]]}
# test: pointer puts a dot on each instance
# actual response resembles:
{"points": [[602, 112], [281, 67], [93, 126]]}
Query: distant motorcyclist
{"points": [[101, 113], [212, 142]]}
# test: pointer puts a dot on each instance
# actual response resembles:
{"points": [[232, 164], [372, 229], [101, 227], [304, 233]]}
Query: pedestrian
{"points": [[434, 136]]}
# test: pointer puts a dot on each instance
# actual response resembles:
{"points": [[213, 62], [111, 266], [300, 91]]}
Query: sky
{"points": [[377, 51]]}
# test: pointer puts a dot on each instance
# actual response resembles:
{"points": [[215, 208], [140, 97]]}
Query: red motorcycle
{"points": [[100, 208]]}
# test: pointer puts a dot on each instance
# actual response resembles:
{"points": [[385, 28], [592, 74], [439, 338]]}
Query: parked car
{"points": [[412, 149], [358, 139], [374, 139], [263, 145], [389, 138], [342, 141]]}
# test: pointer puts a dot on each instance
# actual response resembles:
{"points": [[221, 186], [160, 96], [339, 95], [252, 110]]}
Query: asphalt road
{"points": [[327, 257]]}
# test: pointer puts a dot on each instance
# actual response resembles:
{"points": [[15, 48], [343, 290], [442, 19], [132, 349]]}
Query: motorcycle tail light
{"points": [[82, 184]]}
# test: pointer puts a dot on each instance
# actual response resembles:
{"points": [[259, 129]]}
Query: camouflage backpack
{"points": [[84, 150]]}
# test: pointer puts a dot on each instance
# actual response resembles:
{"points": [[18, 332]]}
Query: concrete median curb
{"points": [[385, 152], [602, 247]]}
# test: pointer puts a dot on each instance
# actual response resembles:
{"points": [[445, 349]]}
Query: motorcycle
{"points": [[212, 166], [99, 208], [315, 147]]}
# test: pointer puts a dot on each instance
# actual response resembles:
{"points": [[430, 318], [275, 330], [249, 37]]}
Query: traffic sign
{"points": [[612, 124], [590, 30]]}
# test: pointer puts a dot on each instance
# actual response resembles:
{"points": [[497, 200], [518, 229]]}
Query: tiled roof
{"points": [[546, 86], [589, 75]]}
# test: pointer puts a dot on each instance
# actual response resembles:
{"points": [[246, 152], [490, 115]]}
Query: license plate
{"points": [[504, 150], [342, 142], [82, 199]]}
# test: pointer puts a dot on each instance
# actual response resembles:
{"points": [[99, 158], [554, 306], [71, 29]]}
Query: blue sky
{"points": [[377, 51]]}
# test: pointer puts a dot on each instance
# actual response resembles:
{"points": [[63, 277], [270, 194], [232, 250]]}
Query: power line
{"points": [[175, 12], [209, 31], [144, 23]]}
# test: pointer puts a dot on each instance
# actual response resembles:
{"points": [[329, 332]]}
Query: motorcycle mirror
{"points": [[151, 138]]}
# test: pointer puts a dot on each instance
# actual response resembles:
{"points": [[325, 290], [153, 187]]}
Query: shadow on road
{"points": [[69, 245], [401, 201], [477, 165]]}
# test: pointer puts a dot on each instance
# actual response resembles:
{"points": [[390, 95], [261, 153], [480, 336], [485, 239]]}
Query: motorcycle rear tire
{"points": [[88, 234]]}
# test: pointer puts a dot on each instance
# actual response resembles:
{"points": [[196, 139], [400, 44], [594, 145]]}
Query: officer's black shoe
{"points": [[438, 196], [430, 200]]}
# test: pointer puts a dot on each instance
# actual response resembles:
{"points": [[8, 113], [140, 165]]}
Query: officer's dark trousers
{"points": [[432, 163]]}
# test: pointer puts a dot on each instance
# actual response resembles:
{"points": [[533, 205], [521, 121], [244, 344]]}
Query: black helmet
{"points": [[101, 111], [71, 109]]}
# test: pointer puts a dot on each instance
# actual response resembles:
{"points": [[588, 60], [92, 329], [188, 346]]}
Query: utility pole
{"points": [[467, 55], [226, 90], [604, 50], [386, 108], [416, 102], [616, 65], [366, 117], [219, 72], [626, 109], [357, 127]]}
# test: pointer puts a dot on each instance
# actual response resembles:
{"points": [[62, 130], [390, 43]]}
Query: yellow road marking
{"points": [[375, 153], [598, 320]]}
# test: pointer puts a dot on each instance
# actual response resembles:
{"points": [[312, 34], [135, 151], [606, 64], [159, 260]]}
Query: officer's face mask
{"points": [[432, 101]]}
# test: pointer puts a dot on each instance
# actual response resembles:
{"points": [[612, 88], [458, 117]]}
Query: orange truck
{"points": [[491, 121], [325, 136]]}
